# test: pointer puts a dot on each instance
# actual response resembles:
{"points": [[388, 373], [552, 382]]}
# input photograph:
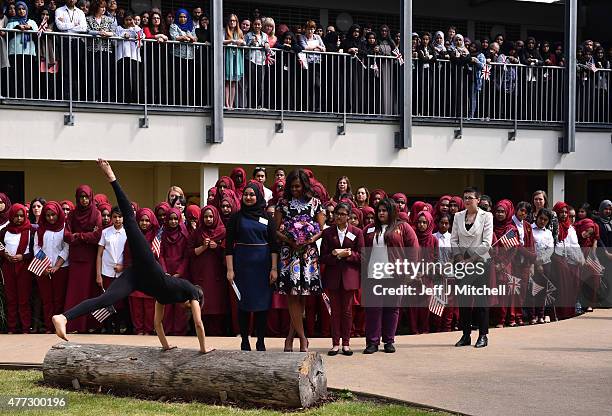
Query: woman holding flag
{"points": [[145, 274], [53, 275]]}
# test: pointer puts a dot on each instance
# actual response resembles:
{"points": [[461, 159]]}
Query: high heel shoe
{"points": [[290, 347], [302, 349]]}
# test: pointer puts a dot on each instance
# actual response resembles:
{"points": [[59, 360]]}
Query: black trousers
{"points": [[475, 309], [261, 320], [145, 275]]}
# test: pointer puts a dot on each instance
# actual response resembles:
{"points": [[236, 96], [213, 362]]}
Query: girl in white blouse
{"points": [[50, 239]]}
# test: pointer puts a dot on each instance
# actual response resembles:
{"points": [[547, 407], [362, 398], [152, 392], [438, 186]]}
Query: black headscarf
{"points": [[254, 211]]}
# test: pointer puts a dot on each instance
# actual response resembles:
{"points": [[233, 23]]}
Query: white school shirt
{"points": [[544, 244], [444, 246], [342, 234], [11, 243], [113, 241], [53, 246], [569, 248], [267, 194], [4, 226]]}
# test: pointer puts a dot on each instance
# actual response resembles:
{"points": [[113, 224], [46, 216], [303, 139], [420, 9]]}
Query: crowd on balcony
{"points": [[269, 65], [294, 252]]}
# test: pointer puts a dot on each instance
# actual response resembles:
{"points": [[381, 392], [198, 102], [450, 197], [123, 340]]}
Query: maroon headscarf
{"points": [[401, 197], [7, 206], [278, 190], [163, 206], [210, 199], [425, 237], [317, 187], [216, 231], [229, 183], [459, 201], [105, 206], [438, 206], [402, 216], [563, 226], [235, 172], [192, 212], [380, 192], [44, 225], [502, 227], [582, 226], [417, 207], [365, 211], [69, 203], [153, 227], [84, 218], [172, 235], [101, 199], [22, 229], [359, 215]]}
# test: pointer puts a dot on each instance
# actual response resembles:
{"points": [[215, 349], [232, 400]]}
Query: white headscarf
{"points": [[439, 47]]}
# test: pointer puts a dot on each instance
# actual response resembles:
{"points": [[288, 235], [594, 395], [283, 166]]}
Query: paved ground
{"points": [[562, 368]]}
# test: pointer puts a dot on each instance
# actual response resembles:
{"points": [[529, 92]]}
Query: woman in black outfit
{"points": [[145, 275], [352, 45]]}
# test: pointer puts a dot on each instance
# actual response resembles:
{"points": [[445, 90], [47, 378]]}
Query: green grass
{"points": [[28, 383]]}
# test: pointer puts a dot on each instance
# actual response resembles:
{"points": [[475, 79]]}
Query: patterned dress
{"points": [[299, 270]]}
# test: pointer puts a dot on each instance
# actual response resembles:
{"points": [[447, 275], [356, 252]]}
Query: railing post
{"points": [[567, 143], [214, 132], [403, 139], [144, 120], [69, 118], [280, 126]]}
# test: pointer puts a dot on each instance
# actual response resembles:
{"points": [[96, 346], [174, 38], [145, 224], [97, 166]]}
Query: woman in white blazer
{"points": [[471, 240]]}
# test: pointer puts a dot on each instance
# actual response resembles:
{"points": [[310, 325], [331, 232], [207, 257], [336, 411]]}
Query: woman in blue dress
{"points": [[252, 256]]}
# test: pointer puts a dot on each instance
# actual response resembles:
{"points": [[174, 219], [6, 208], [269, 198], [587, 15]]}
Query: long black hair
{"points": [[300, 175], [31, 216], [391, 207]]}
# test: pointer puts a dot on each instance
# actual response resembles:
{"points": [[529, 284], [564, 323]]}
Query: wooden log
{"points": [[270, 379]]}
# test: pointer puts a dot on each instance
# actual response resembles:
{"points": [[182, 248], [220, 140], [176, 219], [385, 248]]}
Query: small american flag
{"points": [[486, 72], [156, 245], [398, 55], [593, 264], [327, 302], [39, 263], [438, 303], [44, 25], [103, 313], [510, 239]]}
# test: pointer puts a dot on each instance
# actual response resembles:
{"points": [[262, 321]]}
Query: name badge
{"points": [[263, 220], [350, 236], [371, 230]]}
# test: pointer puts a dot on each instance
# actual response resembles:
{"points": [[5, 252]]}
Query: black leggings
{"points": [[145, 274], [261, 320]]}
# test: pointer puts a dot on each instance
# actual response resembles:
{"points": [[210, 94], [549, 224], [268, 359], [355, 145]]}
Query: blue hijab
{"points": [[25, 37], [186, 27]]}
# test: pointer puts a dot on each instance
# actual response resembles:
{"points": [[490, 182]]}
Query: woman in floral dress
{"points": [[299, 218]]}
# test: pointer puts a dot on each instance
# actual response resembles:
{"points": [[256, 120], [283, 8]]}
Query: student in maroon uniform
{"points": [[173, 260], [82, 233], [387, 232], [401, 201], [428, 243], [192, 218], [50, 239], [524, 260], [341, 254], [142, 307], [207, 269], [239, 178], [17, 280]]}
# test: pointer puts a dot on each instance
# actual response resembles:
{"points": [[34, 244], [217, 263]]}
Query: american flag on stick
{"points": [[103, 313], [39, 263], [156, 245], [593, 264], [326, 301], [508, 240], [438, 303], [398, 55]]}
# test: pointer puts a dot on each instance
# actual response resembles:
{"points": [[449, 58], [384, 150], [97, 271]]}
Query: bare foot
{"points": [[59, 322], [106, 168]]}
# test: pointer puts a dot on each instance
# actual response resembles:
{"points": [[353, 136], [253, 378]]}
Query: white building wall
{"points": [[173, 138]]}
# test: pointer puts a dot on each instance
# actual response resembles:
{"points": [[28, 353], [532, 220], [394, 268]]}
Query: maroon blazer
{"points": [[403, 236], [346, 270]]}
